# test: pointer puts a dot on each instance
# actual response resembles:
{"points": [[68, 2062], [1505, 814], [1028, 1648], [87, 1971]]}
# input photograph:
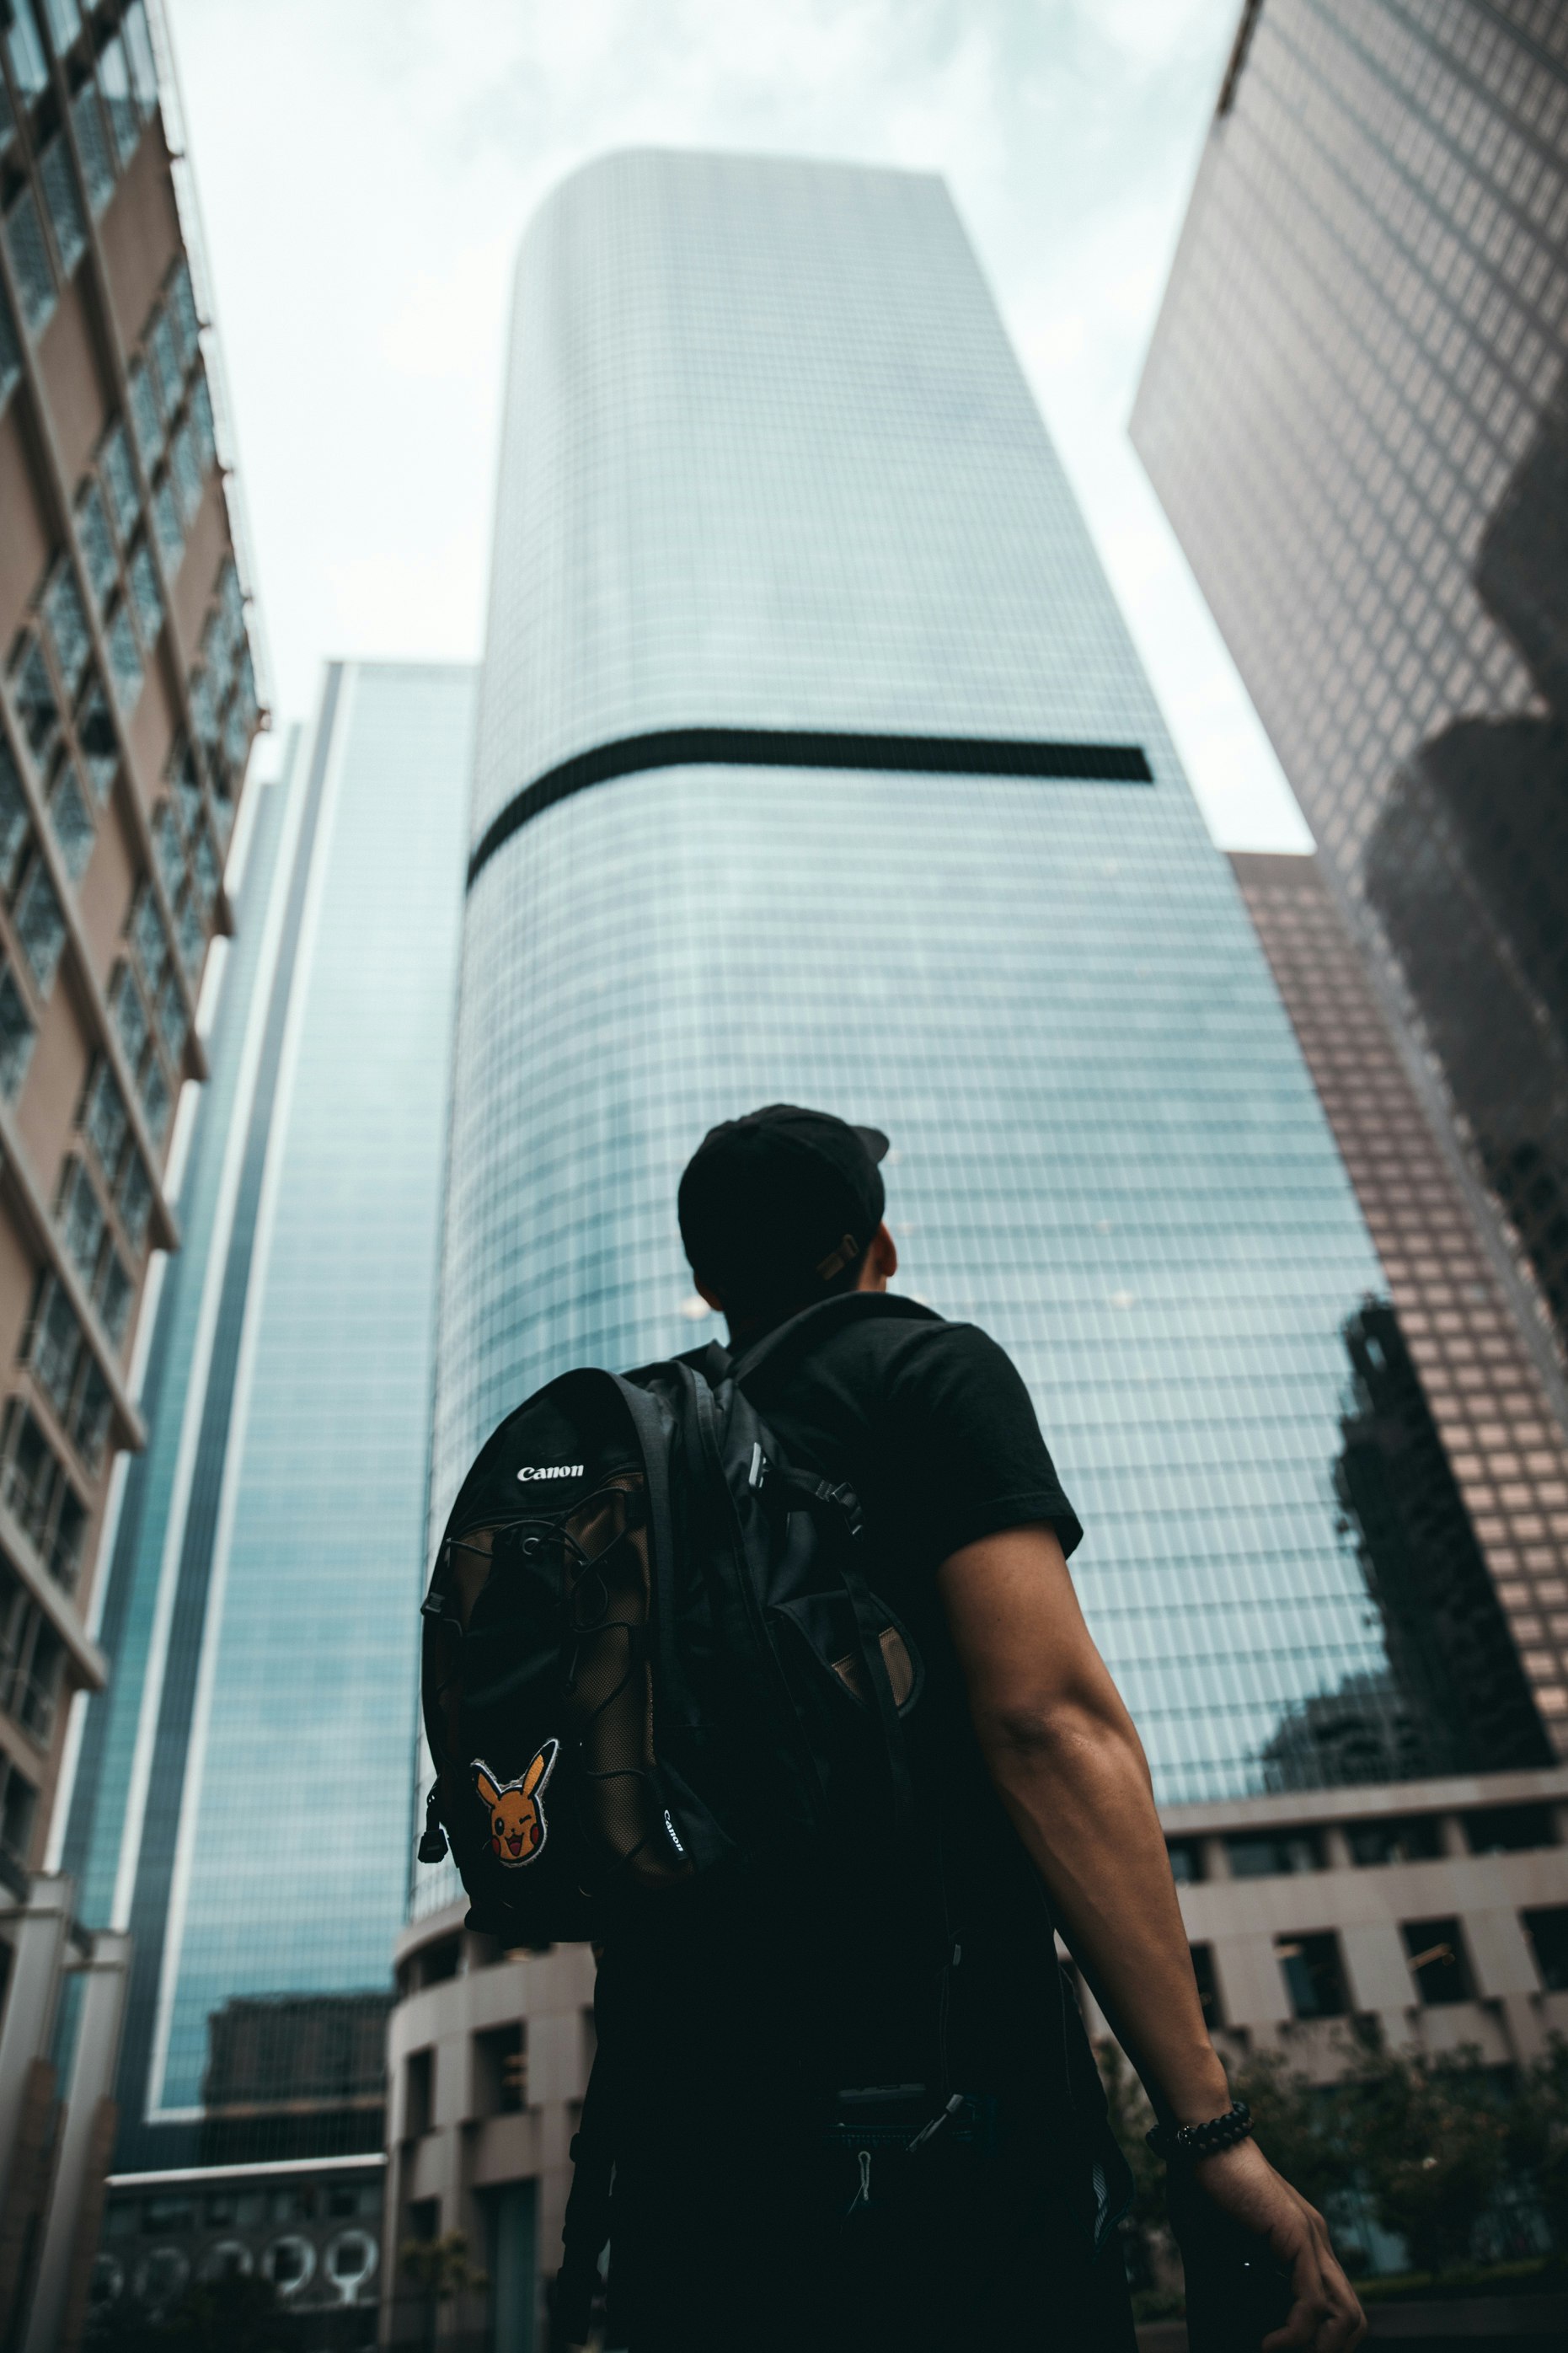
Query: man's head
{"points": [[783, 1207]]}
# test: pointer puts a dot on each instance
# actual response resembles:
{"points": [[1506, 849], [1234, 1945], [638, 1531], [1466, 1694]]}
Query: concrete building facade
{"points": [[128, 699], [130, 702]]}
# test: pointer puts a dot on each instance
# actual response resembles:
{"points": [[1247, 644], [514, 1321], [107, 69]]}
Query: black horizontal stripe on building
{"points": [[807, 747]]}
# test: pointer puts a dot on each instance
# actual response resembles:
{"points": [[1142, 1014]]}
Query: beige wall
{"points": [[466, 2152]]}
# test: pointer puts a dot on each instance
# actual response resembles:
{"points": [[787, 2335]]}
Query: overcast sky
{"points": [[367, 167]]}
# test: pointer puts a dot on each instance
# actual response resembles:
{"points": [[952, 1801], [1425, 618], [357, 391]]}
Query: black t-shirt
{"points": [[932, 1425], [740, 2012], [928, 1421]]}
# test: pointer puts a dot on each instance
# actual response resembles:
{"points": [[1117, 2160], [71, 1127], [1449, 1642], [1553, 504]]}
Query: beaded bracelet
{"points": [[1195, 2141]]}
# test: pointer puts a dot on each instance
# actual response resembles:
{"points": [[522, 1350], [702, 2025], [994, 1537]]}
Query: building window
{"points": [[56, 1353], [202, 425], [166, 522], [172, 1022], [1208, 1984], [134, 1199], [93, 146], [1510, 1830], [114, 79], [40, 926], [1314, 1975], [30, 66], [124, 658], [143, 68], [417, 2085], [64, 23], [34, 694], [97, 543], [71, 822], [119, 479], [1265, 1855], [167, 848], [104, 1121], [1546, 1933], [32, 1666], [17, 1035], [187, 473], [1436, 1952], [500, 2071], [149, 938], [145, 595], [40, 1496], [183, 310], [113, 1296], [130, 1022], [155, 1101], [145, 421], [56, 172], [10, 353], [19, 1810], [192, 935], [424, 2219], [1186, 1860], [1416, 1837], [83, 1226], [166, 357], [96, 742], [30, 262], [13, 818], [67, 627]]}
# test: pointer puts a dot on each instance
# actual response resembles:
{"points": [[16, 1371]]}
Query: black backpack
{"points": [[650, 1648]]}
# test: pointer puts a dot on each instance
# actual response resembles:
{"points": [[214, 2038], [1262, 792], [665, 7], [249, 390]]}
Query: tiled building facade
{"points": [[128, 704], [1355, 411], [1503, 1440], [128, 699]]}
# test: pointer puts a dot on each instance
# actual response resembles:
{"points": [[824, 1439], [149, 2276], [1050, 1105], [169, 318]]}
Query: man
{"points": [[740, 2217]]}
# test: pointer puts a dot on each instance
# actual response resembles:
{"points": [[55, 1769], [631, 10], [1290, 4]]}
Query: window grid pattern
{"points": [[1381, 223], [1496, 1424], [1109, 1152], [1356, 410], [306, 1619]]}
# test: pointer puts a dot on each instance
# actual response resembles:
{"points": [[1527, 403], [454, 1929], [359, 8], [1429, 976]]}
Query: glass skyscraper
{"points": [[1355, 412], [241, 1800], [815, 762]]}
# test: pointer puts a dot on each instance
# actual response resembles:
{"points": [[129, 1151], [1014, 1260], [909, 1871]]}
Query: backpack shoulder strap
{"points": [[814, 1324]]}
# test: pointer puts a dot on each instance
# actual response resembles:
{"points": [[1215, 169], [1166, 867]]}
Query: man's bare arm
{"points": [[1070, 1768]]}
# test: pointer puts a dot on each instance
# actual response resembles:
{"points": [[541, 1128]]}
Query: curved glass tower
{"points": [[815, 762]]}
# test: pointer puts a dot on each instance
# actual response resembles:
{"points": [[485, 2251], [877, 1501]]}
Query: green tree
{"points": [[1302, 2127], [1433, 2142], [1538, 2137], [1145, 2233], [438, 2271], [237, 2314]]}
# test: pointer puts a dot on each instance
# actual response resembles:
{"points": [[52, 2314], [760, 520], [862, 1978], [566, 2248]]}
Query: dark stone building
{"points": [[1353, 411]]}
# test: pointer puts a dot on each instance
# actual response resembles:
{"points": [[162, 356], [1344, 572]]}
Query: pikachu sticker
{"points": [[518, 1826]]}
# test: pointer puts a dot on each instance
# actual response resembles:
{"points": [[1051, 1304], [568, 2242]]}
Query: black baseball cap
{"points": [[778, 1202]]}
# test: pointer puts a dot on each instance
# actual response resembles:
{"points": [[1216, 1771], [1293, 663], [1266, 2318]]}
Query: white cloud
{"points": [[367, 167]]}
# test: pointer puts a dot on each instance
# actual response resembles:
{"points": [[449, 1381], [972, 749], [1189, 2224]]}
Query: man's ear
{"points": [[706, 1290], [881, 1262]]}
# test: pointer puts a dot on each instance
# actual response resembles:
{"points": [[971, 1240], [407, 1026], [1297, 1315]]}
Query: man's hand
{"points": [[1325, 2316]]}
